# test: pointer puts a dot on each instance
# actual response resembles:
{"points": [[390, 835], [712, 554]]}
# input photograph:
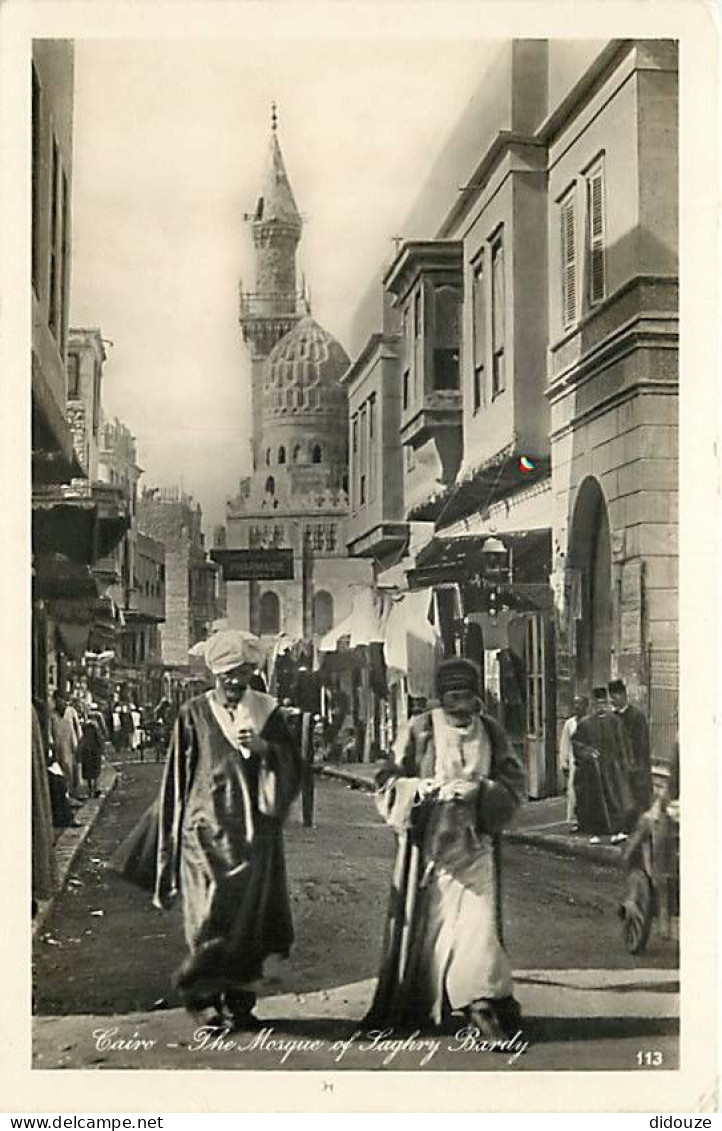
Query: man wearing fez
{"points": [[605, 804], [232, 773], [455, 783], [635, 724]]}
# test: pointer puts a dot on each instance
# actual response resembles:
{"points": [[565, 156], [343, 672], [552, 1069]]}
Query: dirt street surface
{"points": [[107, 953]]}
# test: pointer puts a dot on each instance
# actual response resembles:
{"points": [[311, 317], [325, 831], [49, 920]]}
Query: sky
{"points": [[170, 143]]}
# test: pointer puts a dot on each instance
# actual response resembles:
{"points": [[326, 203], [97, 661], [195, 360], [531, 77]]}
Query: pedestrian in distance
{"points": [[65, 735], [580, 707], [455, 783], [604, 799], [637, 729], [90, 755]]}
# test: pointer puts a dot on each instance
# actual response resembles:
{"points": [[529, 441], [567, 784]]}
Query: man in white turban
{"points": [[231, 775]]}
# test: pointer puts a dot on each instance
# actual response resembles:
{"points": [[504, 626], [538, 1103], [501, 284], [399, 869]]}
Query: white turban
{"points": [[230, 648]]}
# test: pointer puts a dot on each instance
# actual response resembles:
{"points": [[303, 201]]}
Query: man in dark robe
{"points": [[455, 783], [635, 724], [605, 803], [231, 775]]}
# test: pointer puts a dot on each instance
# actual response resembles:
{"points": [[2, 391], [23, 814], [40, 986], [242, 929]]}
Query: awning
{"points": [[461, 559], [476, 488], [83, 522], [56, 576]]}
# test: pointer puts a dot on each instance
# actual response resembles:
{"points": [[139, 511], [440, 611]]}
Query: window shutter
{"points": [[569, 263], [595, 203], [479, 320]]}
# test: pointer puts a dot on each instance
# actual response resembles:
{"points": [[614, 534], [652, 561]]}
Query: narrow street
{"points": [[106, 956]]}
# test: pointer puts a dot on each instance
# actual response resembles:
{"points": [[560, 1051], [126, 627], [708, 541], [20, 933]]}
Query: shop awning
{"points": [[461, 560], [85, 522], [56, 576], [476, 487]]}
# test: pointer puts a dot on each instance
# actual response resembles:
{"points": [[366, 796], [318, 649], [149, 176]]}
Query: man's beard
{"points": [[460, 718]]}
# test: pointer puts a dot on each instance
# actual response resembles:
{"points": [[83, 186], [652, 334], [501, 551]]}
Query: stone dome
{"points": [[303, 371]]}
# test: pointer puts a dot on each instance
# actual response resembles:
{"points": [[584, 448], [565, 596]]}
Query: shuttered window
{"points": [[596, 234], [363, 456], [373, 448], [498, 318], [354, 463], [479, 327], [569, 261]]}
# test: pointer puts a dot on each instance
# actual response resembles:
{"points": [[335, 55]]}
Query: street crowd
{"points": [[236, 761]]}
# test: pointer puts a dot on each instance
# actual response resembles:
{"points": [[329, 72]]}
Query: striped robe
{"points": [[442, 946]]}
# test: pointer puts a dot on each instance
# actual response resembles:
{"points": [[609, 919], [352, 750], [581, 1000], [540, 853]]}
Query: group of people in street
{"points": [[78, 734], [236, 762], [214, 839], [605, 755], [68, 744]]}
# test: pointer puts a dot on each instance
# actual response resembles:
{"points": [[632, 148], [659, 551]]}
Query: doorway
{"points": [[590, 553]]}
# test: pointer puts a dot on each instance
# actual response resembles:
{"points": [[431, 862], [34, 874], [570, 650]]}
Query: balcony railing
{"points": [[269, 304]]}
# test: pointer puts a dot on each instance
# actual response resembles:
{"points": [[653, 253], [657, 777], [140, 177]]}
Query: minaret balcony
{"points": [[270, 304]]}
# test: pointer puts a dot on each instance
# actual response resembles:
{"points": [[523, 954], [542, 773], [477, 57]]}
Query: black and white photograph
{"points": [[353, 590]]}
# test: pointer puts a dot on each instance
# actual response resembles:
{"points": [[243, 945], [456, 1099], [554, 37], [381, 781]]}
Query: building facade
{"points": [[297, 497], [172, 519], [144, 615], [75, 521], [85, 360], [52, 72], [612, 380], [535, 387]]}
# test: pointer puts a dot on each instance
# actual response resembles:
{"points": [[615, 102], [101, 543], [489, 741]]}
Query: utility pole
{"points": [[306, 735]]}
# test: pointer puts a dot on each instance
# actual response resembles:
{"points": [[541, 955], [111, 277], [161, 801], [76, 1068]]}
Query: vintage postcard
{"points": [[362, 724]]}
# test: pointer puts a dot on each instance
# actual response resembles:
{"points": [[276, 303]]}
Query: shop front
{"points": [[493, 604]]}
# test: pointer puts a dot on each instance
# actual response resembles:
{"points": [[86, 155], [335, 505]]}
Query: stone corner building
{"points": [[297, 495]]}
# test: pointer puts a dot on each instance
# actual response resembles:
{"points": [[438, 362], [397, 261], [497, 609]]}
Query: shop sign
{"points": [[255, 565]]}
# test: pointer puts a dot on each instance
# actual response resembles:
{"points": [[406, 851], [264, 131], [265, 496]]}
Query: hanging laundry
{"points": [[494, 628]]}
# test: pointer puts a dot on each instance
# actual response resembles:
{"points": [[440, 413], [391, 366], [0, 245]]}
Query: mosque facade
{"points": [[296, 497]]}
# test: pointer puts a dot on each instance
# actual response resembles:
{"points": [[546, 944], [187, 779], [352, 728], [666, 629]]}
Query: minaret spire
{"points": [[273, 307]]}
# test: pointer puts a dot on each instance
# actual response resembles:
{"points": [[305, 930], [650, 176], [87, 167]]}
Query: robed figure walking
{"points": [[455, 783], [231, 775]]}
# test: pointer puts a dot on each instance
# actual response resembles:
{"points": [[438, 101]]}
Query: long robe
{"points": [[640, 770], [443, 937], [220, 845], [605, 803]]}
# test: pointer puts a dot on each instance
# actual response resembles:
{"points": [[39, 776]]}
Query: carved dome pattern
{"points": [[303, 371]]}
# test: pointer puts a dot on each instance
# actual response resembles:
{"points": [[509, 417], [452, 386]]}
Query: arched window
{"points": [[269, 614], [297, 454], [268, 457], [281, 454], [270, 485], [322, 612], [316, 454]]}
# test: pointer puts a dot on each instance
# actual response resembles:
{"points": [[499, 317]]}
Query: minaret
{"points": [[274, 307]]}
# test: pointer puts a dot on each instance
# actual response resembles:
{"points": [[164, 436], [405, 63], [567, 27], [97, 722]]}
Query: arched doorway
{"points": [[269, 614], [322, 613], [590, 553]]}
